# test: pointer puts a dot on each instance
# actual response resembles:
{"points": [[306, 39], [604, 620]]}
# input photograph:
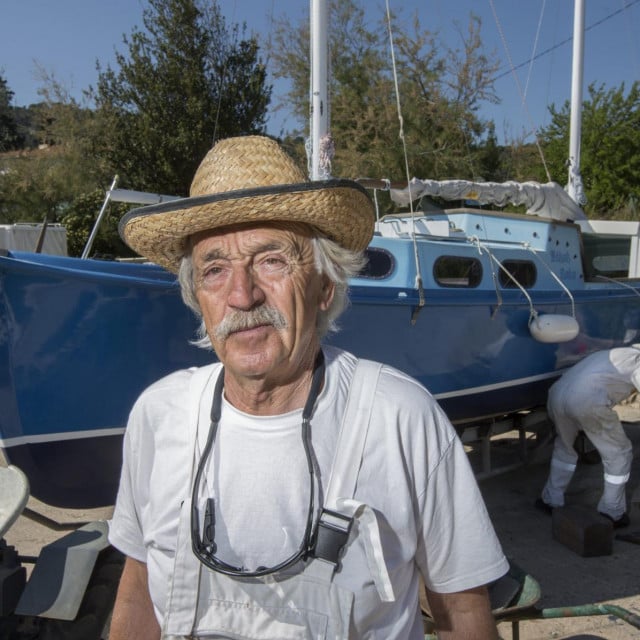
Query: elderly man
{"points": [[582, 400], [291, 490]]}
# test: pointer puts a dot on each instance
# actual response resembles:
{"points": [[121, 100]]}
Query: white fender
{"points": [[551, 327]]}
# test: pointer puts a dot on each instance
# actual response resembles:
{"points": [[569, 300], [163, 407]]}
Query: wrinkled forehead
{"points": [[288, 232]]}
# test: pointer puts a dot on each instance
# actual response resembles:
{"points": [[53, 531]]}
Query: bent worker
{"points": [[582, 400], [290, 490]]}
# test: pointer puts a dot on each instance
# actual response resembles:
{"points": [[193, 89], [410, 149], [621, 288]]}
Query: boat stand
{"points": [[482, 441]]}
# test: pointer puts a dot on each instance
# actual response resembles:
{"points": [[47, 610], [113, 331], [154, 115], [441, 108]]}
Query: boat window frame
{"points": [[382, 275], [599, 249], [508, 283], [472, 281]]}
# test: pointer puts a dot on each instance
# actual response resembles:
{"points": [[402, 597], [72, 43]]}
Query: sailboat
{"points": [[488, 308], [485, 308]]}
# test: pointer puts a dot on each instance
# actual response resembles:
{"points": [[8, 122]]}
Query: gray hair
{"points": [[336, 262]]}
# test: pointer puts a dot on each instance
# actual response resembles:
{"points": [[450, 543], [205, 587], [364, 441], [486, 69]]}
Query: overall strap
{"points": [[180, 611], [341, 507], [353, 433]]}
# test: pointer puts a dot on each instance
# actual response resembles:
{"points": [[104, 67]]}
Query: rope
{"points": [[421, 298], [326, 152], [375, 202], [387, 187]]}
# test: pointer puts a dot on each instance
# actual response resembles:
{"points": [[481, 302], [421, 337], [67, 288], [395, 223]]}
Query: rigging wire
{"points": [[535, 46], [270, 30], [421, 299], [221, 87], [513, 68], [522, 97]]}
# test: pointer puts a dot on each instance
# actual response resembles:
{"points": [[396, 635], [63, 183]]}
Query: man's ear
{"points": [[326, 293]]}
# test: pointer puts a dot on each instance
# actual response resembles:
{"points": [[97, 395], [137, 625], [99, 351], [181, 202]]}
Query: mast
{"points": [[319, 90], [574, 185]]}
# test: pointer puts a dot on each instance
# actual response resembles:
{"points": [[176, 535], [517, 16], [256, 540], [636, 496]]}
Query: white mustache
{"points": [[242, 320]]}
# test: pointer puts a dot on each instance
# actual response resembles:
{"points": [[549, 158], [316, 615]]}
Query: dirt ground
{"points": [[565, 578]]}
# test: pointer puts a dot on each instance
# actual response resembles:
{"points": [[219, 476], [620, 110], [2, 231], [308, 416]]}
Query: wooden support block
{"points": [[583, 530], [635, 499]]}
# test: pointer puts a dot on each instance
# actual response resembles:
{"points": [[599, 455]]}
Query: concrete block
{"points": [[583, 530]]}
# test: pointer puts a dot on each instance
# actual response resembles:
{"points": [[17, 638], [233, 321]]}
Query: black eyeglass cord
{"points": [[204, 547]]}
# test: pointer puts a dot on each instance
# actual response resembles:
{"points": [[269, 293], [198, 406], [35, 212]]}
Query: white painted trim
{"points": [[5, 443]]}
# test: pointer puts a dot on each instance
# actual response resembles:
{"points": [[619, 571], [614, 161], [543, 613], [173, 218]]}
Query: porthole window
{"points": [[522, 270], [606, 255], [380, 264], [457, 271]]}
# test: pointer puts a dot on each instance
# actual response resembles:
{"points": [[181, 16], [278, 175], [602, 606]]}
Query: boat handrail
{"points": [[618, 281], [546, 328], [493, 260], [427, 236], [555, 277]]}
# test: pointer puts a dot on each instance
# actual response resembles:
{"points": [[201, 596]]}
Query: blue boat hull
{"points": [[478, 359], [80, 339]]}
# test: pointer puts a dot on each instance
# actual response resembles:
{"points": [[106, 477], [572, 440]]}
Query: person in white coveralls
{"points": [[583, 400], [290, 490]]}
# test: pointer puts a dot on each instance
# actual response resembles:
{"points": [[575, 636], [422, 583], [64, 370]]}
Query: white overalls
{"points": [[582, 399], [303, 601]]}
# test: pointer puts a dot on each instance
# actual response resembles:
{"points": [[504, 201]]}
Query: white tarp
{"points": [[23, 236], [548, 200]]}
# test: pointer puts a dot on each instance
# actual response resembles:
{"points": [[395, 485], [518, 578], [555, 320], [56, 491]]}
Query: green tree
{"points": [[79, 219], [9, 138], [440, 90], [610, 149], [26, 123], [41, 183], [187, 81], [492, 158]]}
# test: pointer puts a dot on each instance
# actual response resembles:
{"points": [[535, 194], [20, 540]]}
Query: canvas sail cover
{"points": [[547, 200]]}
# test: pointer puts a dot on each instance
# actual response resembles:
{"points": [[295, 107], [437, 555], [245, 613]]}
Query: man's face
{"points": [[260, 295]]}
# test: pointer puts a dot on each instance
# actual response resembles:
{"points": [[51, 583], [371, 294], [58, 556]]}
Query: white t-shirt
{"points": [[415, 475]]}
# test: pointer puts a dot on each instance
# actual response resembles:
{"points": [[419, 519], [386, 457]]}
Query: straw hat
{"points": [[249, 180]]}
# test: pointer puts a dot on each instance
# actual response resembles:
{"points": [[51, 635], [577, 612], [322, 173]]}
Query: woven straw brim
{"points": [[339, 209]]}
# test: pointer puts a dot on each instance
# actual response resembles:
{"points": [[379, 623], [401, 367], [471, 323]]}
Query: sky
{"points": [[65, 38]]}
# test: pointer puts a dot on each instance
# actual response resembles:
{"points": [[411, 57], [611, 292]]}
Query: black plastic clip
{"points": [[332, 534], [209, 524]]}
